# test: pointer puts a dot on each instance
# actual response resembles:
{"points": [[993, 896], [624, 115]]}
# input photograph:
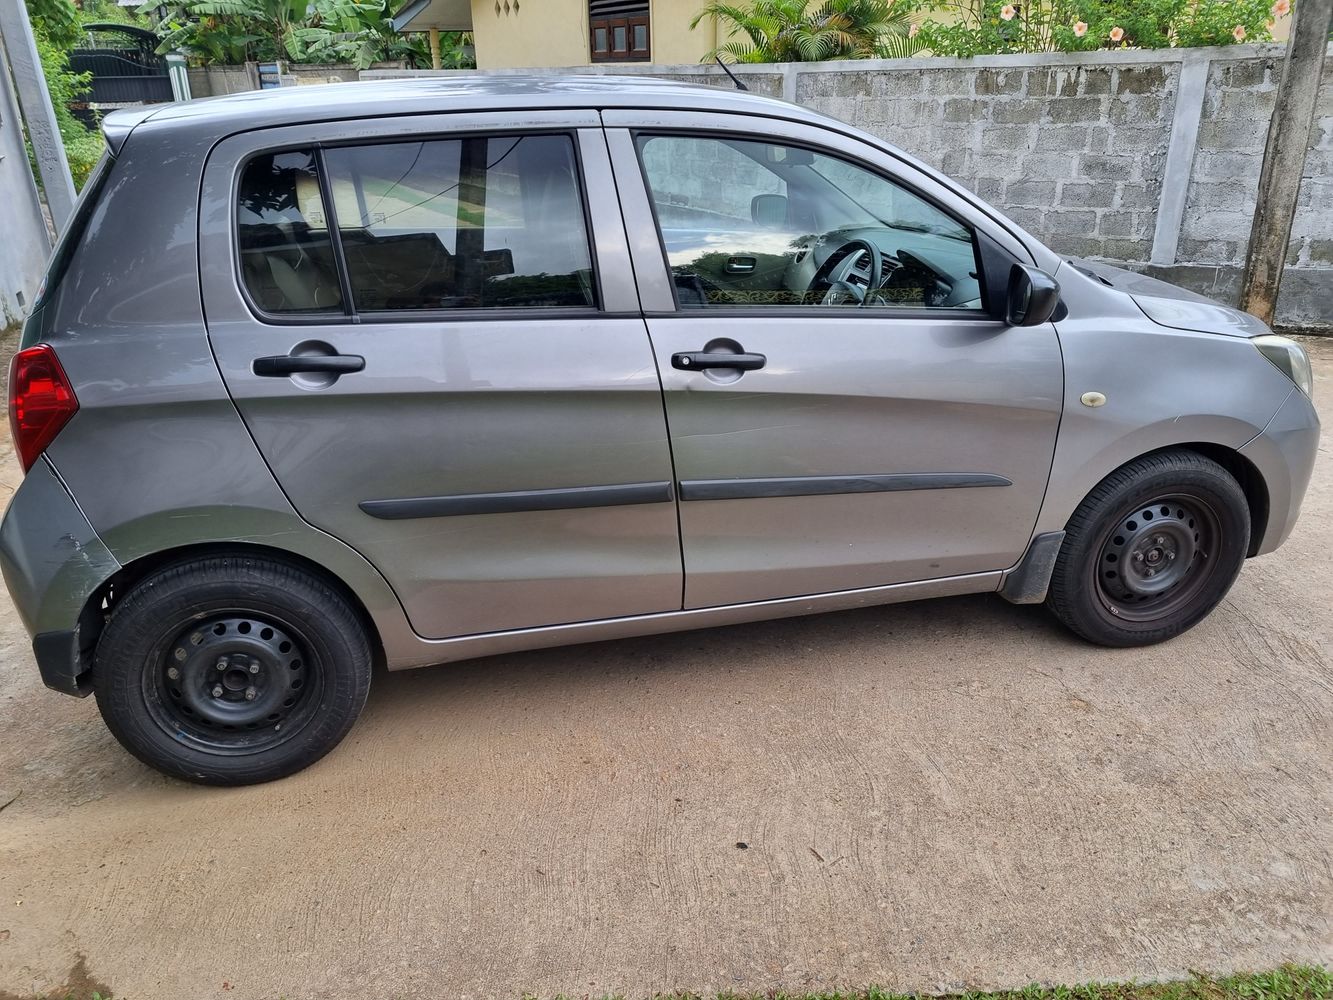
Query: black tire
{"points": [[1151, 551], [232, 670]]}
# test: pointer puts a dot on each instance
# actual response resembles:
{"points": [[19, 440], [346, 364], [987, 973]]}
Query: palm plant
{"points": [[810, 30]]}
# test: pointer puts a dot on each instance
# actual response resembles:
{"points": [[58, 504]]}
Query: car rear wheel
{"points": [[1151, 551], [232, 670]]}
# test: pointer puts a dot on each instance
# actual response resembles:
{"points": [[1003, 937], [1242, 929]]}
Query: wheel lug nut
{"points": [[217, 690], [1150, 572], [1138, 557], [173, 673], [223, 663], [1170, 555], [251, 694], [254, 668], [1158, 540]]}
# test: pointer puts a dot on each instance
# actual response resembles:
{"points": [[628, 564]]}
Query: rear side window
{"points": [[287, 259], [473, 223], [462, 223]]}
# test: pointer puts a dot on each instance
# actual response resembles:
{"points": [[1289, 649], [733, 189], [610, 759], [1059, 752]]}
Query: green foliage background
{"points": [[980, 27]]}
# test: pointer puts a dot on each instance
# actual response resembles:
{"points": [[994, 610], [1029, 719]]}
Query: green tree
{"points": [[810, 30]]}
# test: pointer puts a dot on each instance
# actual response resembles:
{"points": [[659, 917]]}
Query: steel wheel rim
{"points": [[233, 682], [1157, 557]]}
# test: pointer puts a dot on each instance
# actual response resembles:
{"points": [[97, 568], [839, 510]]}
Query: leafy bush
{"points": [[981, 27]]}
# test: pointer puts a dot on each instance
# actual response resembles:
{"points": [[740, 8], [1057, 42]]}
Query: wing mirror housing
{"points": [[1032, 297]]}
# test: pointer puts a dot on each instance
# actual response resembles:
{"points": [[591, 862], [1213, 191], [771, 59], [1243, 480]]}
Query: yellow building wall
{"points": [[533, 34], [672, 41]]}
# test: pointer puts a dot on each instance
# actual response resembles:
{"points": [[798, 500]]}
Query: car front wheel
{"points": [[232, 670], [1151, 551]]}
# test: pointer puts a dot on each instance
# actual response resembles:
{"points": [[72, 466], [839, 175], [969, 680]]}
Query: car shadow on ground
{"points": [[888, 635]]}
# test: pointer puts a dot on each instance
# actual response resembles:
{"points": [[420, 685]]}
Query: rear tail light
{"points": [[41, 401]]}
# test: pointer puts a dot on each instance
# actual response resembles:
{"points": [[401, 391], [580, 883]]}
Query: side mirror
{"points": [[1032, 297], [769, 210]]}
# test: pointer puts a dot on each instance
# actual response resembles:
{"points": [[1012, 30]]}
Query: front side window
{"points": [[473, 223], [791, 226]]}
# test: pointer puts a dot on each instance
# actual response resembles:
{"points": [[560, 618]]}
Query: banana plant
{"points": [[810, 30]]}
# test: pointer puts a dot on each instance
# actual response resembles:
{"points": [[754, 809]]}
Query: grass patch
{"points": [[1287, 982]]}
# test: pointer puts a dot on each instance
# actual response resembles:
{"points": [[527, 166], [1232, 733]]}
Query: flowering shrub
{"points": [[982, 27]]}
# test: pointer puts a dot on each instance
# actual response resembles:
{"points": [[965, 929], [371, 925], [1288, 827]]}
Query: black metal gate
{"points": [[124, 66]]}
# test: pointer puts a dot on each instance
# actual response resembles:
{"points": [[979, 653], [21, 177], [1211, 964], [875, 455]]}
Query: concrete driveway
{"points": [[923, 796]]}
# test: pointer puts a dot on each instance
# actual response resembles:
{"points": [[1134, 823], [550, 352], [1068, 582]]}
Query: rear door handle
{"points": [[688, 361], [282, 365]]}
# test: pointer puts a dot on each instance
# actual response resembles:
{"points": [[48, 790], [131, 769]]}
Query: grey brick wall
{"points": [[1073, 154], [1079, 150]]}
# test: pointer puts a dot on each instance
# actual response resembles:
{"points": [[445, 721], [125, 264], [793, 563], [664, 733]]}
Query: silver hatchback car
{"points": [[420, 371]]}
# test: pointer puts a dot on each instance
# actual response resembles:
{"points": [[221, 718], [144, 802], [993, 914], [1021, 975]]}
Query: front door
{"points": [[440, 369], [843, 412]]}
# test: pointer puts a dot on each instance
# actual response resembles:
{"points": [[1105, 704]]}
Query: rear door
{"points": [[433, 336], [861, 442]]}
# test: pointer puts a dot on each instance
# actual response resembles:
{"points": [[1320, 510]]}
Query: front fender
{"points": [[1162, 388]]}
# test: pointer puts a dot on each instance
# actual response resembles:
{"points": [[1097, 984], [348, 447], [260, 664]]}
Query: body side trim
{"points": [[809, 486], [517, 502]]}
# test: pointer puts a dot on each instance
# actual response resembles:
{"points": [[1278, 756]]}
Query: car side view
{"points": [[417, 371]]}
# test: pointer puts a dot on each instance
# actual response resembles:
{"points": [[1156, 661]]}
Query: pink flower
{"points": [[1007, 12], [912, 31], [1117, 34], [1238, 33], [1281, 9], [1080, 29]]}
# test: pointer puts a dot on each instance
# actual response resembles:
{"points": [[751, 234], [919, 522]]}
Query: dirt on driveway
{"points": [[945, 794]]}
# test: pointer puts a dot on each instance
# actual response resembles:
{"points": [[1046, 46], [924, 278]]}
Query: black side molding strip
{"points": [[811, 486], [514, 503]]}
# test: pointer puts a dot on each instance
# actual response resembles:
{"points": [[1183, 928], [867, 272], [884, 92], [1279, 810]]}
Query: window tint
{"points": [[748, 223], [286, 259], [462, 223]]}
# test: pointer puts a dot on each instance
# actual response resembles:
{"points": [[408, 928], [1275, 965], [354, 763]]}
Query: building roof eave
{"points": [[446, 15]]}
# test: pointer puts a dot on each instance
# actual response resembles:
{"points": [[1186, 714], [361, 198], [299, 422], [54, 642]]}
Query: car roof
{"points": [[425, 95]]}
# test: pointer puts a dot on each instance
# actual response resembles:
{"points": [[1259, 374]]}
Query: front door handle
{"points": [[688, 361], [282, 365]]}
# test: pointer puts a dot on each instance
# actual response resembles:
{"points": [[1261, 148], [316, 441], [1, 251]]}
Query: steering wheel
{"points": [[844, 278]]}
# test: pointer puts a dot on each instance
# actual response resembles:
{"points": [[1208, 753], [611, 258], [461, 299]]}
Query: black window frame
{"points": [[349, 315], [792, 311]]}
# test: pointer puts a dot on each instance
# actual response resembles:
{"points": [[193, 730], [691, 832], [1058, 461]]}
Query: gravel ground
{"points": [[946, 794]]}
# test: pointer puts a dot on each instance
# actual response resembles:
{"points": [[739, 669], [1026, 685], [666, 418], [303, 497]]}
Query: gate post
{"points": [[180, 79]]}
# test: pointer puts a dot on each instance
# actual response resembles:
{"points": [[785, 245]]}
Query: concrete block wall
{"points": [[1074, 154], [1148, 159]]}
